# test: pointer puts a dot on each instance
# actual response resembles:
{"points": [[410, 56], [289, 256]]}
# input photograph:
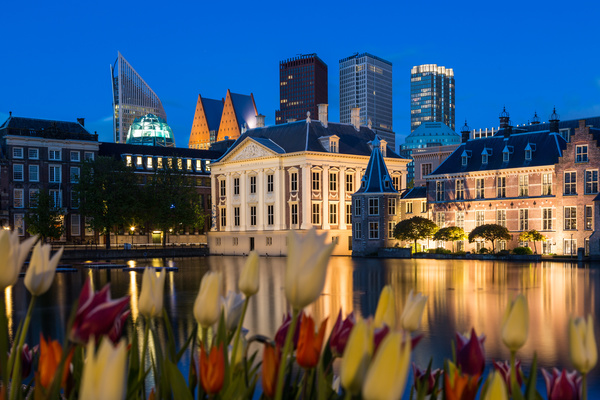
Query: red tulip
{"points": [[309, 344], [340, 333], [212, 369], [98, 315], [270, 367], [562, 385], [504, 368], [283, 330], [470, 354], [422, 378]]}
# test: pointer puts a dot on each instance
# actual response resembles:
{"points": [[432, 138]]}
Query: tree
{"points": [[44, 219], [451, 234], [107, 191], [415, 228], [489, 232], [532, 236]]}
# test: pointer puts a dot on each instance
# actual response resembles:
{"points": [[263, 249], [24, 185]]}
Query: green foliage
{"points": [[440, 250], [44, 219], [483, 250], [450, 234], [522, 250], [415, 228], [532, 236], [489, 232]]}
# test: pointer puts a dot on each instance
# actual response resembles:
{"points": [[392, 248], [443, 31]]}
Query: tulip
{"points": [[309, 344], [248, 283], [98, 315], [104, 372], [503, 367], [306, 267], [50, 356], [207, 308], [282, 331], [150, 303], [270, 365], [27, 360], [582, 344], [458, 386], [232, 305], [356, 358], [562, 385], [386, 376], [413, 312], [470, 354], [212, 369], [496, 389], [40, 274], [12, 256], [515, 324], [427, 378], [340, 333], [386, 308]]}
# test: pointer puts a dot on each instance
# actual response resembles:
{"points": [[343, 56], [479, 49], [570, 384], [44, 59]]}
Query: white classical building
{"points": [[292, 176]]}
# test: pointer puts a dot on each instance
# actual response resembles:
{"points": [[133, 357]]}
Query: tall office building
{"points": [[132, 98], [302, 86], [431, 95], [366, 83]]}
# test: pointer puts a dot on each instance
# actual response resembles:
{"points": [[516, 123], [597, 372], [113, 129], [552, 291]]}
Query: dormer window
{"points": [[505, 156], [484, 158], [333, 146], [465, 157], [527, 155], [331, 143], [383, 148], [528, 150]]}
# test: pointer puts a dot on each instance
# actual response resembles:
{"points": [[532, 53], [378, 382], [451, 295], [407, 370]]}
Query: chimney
{"points": [[554, 120], [355, 117], [465, 132], [323, 114], [504, 119], [260, 121], [81, 121]]}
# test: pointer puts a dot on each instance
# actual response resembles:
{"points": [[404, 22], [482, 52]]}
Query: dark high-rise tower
{"points": [[302, 86], [431, 95]]}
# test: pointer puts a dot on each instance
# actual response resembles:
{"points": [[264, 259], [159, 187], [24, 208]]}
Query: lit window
{"points": [[570, 182], [581, 154], [159, 162], [316, 181], [18, 200], [316, 214], [149, 162], [373, 230], [207, 165], [391, 226], [333, 213], [270, 179], [591, 181], [546, 219], [588, 217], [570, 218]]}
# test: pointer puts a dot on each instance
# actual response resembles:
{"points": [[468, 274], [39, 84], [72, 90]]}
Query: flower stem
{"points": [[513, 372], [144, 347], [236, 339], [3, 342], [16, 365], [286, 349], [205, 338], [584, 386]]}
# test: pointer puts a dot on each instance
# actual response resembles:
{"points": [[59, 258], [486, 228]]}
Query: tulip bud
{"points": [[309, 343], [40, 274], [562, 385], [248, 283], [582, 344], [386, 376], [270, 367], [386, 308], [496, 389], [356, 358], [12, 256], [150, 303], [233, 306], [306, 267], [212, 369], [207, 307], [515, 324], [104, 372], [413, 312]]}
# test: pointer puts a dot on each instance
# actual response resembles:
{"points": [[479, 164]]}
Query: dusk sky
{"points": [[529, 56]]}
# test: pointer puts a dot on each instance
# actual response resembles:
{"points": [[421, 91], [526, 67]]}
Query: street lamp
{"points": [[132, 229]]}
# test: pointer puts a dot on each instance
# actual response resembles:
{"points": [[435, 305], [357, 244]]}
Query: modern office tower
{"points": [[366, 83], [207, 120], [132, 98], [302, 87], [431, 95]]}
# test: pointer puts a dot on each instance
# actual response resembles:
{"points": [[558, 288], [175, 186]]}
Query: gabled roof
{"points": [[45, 128], [548, 148], [245, 109], [419, 192], [376, 178], [213, 109]]}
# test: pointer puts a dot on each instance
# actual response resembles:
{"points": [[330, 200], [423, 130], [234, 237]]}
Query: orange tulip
{"points": [[309, 345], [50, 356], [212, 369], [460, 387], [270, 366]]}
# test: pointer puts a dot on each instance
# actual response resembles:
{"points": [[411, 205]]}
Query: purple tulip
{"points": [[470, 354], [562, 385], [421, 377], [503, 367], [340, 333], [283, 330]]}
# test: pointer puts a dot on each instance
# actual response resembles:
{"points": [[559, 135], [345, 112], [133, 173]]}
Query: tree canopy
{"points": [[489, 232], [415, 228], [450, 234], [44, 218], [532, 236]]}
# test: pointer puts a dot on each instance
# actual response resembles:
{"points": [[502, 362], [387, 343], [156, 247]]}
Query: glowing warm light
{"points": [[132, 229], [133, 293], [9, 310]]}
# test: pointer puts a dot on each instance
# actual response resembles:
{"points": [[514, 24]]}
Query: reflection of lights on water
{"points": [[133, 295], [91, 276], [9, 310]]}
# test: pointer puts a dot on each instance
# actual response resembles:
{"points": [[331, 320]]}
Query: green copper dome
{"points": [[151, 130]]}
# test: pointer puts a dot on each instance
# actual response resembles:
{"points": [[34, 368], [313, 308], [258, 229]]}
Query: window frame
{"points": [[570, 221], [373, 206]]}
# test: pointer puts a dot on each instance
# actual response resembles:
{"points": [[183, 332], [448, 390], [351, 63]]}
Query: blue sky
{"points": [[527, 55]]}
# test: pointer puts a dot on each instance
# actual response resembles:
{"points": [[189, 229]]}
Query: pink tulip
{"points": [[562, 385], [97, 315], [340, 333], [421, 377], [503, 367], [470, 354], [283, 329]]}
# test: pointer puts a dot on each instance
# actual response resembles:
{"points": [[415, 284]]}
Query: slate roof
{"points": [[213, 109], [117, 149], [245, 109], [45, 128], [571, 123], [419, 192], [299, 136], [376, 178], [548, 148]]}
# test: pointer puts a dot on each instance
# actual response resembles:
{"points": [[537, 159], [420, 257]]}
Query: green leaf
{"points": [[177, 382], [531, 392], [171, 348]]}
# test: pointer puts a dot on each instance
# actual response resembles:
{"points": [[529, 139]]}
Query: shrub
{"points": [[460, 253], [483, 250], [522, 250], [504, 252]]}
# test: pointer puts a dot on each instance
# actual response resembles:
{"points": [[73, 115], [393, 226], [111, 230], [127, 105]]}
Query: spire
{"points": [[536, 119], [465, 131], [554, 120], [376, 178]]}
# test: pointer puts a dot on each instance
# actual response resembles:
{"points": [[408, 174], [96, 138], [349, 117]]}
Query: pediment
{"points": [[247, 150]]}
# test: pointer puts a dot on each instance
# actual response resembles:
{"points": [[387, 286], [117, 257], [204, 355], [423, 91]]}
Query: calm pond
{"points": [[462, 294]]}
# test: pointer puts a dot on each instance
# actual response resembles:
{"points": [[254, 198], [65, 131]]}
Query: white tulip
{"points": [[104, 373], [515, 323], [207, 307], [248, 283], [40, 274], [12, 256], [150, 303], [413, 312], [233, 306]]}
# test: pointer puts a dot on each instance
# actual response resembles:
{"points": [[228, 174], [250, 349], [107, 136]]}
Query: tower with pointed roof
{"points": [[239, 114], [207, 120]]}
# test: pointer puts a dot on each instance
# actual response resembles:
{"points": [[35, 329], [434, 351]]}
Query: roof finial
{"points": [[308, 117]]}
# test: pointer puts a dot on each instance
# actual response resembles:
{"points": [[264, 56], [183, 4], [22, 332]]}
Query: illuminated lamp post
{"points": [[131, 232]]}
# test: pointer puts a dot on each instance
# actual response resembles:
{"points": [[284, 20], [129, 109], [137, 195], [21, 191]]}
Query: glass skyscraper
{"points": [[132, 98], [431, 95]]}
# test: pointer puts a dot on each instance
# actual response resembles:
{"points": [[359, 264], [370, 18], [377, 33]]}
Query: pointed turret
{"points": [[376, 178]]}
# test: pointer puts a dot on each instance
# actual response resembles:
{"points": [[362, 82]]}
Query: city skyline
{"points": [[59, 70]]}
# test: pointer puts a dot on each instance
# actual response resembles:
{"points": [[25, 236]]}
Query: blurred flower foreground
{"points": [[363, 358]]}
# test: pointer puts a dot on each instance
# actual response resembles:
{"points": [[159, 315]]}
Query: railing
{"points": [[125, 246]]}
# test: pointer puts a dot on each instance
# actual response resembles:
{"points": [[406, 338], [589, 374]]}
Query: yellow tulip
{"points": [[413, 312], [104, 372], [356, 358], [207, 307], [150, 303], [582, 344], [386, 376], [386, 308], [41, 270], [515, 323], [306, 268], [12, 256], [248, 283], [496, 389]]}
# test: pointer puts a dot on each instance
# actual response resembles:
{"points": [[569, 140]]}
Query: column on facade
{"points": [[261, 209], [325, 193], [342, 195], [214, 184], [306, 197], [280, 193], [244, 201], [228, 205]]}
